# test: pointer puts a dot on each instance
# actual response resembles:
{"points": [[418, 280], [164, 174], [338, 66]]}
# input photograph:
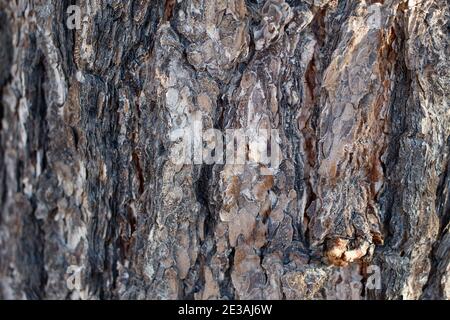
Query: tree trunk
{"points": [[93, 205]]}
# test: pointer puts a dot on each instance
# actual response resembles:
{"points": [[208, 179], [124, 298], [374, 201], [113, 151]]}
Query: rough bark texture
{"points": [[358, 91]]}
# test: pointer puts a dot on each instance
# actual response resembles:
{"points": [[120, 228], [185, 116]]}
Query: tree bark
{"points": [[93, 207]]}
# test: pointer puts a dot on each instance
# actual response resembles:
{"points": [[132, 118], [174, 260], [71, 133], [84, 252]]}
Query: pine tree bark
{"points": [[92, 207]]}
